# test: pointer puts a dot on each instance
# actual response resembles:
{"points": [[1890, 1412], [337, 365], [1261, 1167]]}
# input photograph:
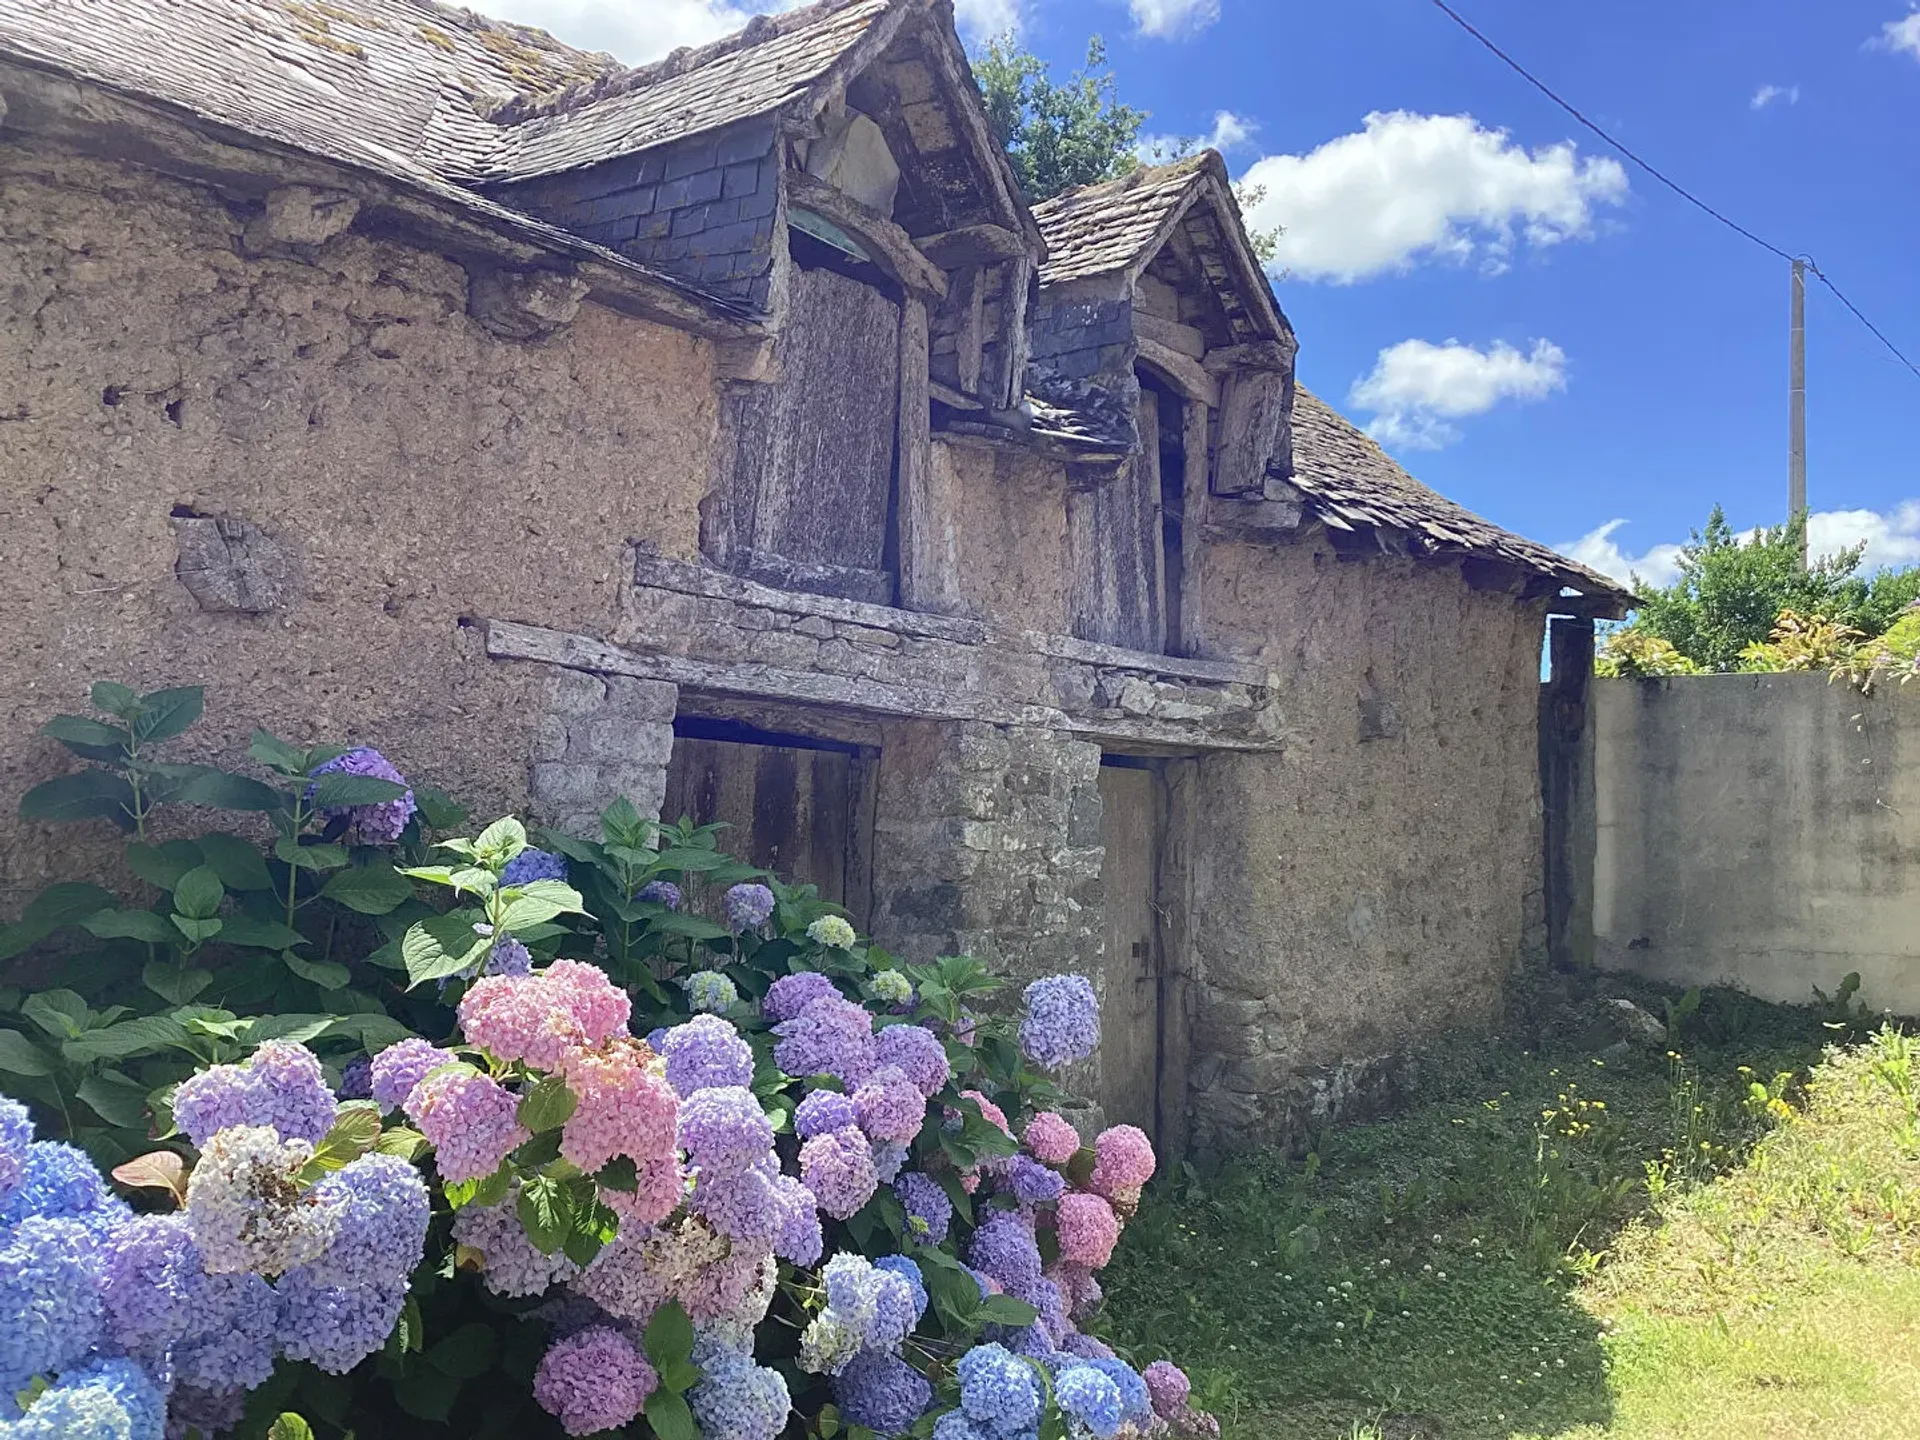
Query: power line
{"points": [[1671, 184]]}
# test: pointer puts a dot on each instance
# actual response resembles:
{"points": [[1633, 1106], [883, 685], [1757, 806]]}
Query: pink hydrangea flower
{"points": [[593, 1381], [599, 1007], [1088, 1230], [838, 1168], [623, 1109], [1169, 1389], [471, 1122], [660, 1187], [890, 1106], [1123, 1162], [1051, 1138], [536, 1018], [993, 1113]]}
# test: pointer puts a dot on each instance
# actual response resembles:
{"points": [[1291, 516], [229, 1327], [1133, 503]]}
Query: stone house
{"points": [[729, 434]]}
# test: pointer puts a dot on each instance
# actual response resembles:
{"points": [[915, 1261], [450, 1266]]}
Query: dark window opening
{"points": [[740, 732], [1170, 440]]}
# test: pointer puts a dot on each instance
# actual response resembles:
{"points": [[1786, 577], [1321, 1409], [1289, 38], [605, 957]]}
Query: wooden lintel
{"points": [[972, 245], [1591, 607], [892, 248], [1188, 376], [1259, 355], [1186, 339]]}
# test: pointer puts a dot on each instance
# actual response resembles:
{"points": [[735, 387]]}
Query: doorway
{"points": [[1132, 1042]]}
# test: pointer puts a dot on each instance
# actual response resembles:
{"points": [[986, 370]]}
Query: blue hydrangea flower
{"points": [[1004, 1248], [723, 1129], [1136, 1404], [382, 822], [748, 907], [509, 957], [151, 1278], [334, 1327], [924, 1200], [16, 1133], [823, 1111], [882, 1392], [1091, 1398], [356, 1078], [380, 1231], [281, 1085], [50, 1308], [706, 1053], [998, 1389], [108, 1399], [531, 864], [737, 1399], [60, 1182], [1033, 1182], [908, 1271], [1062, 1023], [661, 892], [230, 1344], [958, 1425], [889, 1158], [711, 992]]}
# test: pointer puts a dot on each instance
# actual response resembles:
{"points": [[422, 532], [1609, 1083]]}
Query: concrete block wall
{"points": [[704, 210]]}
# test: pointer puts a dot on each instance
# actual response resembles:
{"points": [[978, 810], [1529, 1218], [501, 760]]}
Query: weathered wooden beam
{"points": [[1188, 376], [891, 246], [1193, 519], [1567, 792], [972, 245], [952, 398], [1259, 355], [1253, 419], [1007, 386], [971, 338], [654, 572], [1186, 339], [929, 558]]}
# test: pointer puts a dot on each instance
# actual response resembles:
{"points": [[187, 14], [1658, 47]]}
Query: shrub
{"points": [[623, 1160]]}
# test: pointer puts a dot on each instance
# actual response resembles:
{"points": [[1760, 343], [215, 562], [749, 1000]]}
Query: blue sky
{"points": [[1539, 332]]}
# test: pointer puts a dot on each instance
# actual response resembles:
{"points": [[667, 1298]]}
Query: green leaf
{"points": [[131, 925], [545, 1213], [167, 713], [548, 1105], [324, 973], [442, 946], [54, 908], [692, 926], [83, 795], [539, 1152], [437, 810], [354, 1133], [253, 934], [289, 1426], [338, 791], [669, 1337], [537, 902], [60, 1013], [426, 1393], [219, 790], [501, 841], [371, 889], [163, 865], [493, 1189], [116, 700], [374, 1032], [412, 1329], [620, 1175], [466, 1354], [197, 894], [90, 739], [175, 983], [297, 1028], [117, 1099], [20, 1056], [276, 754], [198, 931], [407, 1144], [1005, 1310], [145, 1036], [669, 1415], [310, 857], [681, 858], [237, 862]]}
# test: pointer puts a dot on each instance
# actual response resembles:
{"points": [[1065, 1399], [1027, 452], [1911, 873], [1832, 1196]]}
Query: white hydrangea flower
{"points": [[245, 1207]]}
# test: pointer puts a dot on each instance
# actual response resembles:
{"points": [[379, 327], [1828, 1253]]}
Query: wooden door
{"points": [[804, 814], [1130, 828], [1114, 548], [811, 485]]}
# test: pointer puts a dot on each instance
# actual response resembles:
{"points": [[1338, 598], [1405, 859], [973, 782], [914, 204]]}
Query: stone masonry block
{"points": [[639, 699], [564, 783], [574, 692]]}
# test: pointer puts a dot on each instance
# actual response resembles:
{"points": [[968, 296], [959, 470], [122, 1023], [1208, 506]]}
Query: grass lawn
{"points": [[1565, 1240]]}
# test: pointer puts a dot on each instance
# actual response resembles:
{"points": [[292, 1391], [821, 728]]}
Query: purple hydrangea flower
{"points": [[1062, 1023], [380, 1231], [510, 1264], [509, 957], [724, 1129], [151, 1278], [230, 1344], [1004, 1248], [890, 1106], [924, 1200], [889, 1159], [998, 1389], [748, 906], [211, 1412], [747, 1205], [401, 1066], [281, 1085], [335, 1327], [1168, 1389], [791, 994], [821, 1111], [882, 1392], [917, 1051], [594, 1380], [706, 1053], [661, 892], [737, 1399], [838, 1168], [905, 1267], [356, 1078], [380, 823], [16, 1133], [531, 864], [831, 1036], [1033, 1182], [800, 1239]]}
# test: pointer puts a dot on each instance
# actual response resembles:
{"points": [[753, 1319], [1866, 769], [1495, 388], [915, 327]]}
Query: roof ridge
{"points": [[762, 28], [1139, 175]]}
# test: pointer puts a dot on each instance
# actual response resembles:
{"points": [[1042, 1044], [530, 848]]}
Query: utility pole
{"points": [[1797, 409]]}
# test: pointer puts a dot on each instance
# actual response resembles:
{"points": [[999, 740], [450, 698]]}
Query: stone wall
{"points": [[1378, 881], [603, 737], [1010, 531], [1761, 831], [407, 467]]}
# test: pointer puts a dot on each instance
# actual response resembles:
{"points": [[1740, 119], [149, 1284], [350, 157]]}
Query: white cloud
{"points": [[983, 19], [1411, 187], [1772, 94], [1230, 132], [1172, 19], [1892, 540], [634, 32], [1900, 35], [1417, 387]]}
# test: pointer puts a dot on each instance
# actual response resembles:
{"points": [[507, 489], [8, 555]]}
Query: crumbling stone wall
{"points": [[987, 843], [1378, 881], [409, 468]]}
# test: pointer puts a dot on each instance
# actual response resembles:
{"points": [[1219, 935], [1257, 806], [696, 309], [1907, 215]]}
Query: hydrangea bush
{"points": [[603, 1165]]}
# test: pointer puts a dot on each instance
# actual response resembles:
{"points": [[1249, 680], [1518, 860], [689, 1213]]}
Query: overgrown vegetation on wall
{"points": [[416, 1166]]}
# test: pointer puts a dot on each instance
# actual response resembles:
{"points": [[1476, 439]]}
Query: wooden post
{"points": [[927, 563], [1193, 519], [1567, 793]]}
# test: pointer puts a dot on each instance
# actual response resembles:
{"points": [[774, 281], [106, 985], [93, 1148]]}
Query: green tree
{"points": [[1057, 136], [1732, 589]]}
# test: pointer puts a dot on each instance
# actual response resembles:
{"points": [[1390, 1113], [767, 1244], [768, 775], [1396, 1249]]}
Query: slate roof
{"points": [[1099, 229], [1349, 482]]}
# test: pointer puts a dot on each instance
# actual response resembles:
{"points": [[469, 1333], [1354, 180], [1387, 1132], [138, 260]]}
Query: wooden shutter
{"points": [[1114, 547]]}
